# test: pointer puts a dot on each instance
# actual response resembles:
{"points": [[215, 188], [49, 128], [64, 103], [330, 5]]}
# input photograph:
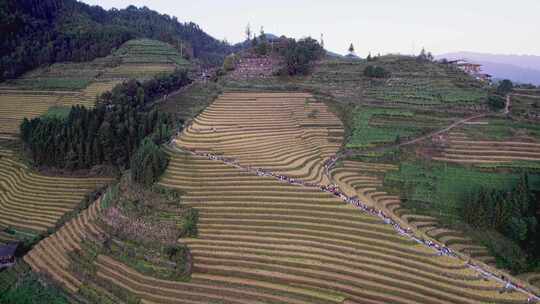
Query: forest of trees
{"points": [[39, 32], [513, 214], [107, 134]]}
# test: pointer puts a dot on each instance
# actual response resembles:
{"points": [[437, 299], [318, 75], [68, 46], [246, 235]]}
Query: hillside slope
{"points": [[264, 240], [417, 99], [62, 85], [40, 32]]}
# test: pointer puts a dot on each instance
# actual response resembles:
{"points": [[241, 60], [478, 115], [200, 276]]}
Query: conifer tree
{"points": [[248, 32], [351, 49]]}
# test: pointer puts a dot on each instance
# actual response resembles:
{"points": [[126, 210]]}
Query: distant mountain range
{"points": [[518, 68]]}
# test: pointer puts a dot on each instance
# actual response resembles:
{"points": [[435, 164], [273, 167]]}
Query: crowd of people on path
{"points": [[205, 130], [440, 250]]}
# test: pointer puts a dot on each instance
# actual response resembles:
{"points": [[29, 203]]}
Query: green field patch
{"points": [[57, 112], [517, 164], [526, 104], [142, 51], [139, 58], [502, 129], [56, 83], [435, 189], [425, 91], [364, 135]]}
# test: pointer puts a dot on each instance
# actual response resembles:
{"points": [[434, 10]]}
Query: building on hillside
{"points": [[473, 69], [7, 255], [470, 68], [484, 77]]}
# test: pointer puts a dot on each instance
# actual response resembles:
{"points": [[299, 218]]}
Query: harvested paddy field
{"points": [[30, 202], [262, 240]]}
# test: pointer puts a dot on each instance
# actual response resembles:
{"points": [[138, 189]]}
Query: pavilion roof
{"points": [[8, 250]]}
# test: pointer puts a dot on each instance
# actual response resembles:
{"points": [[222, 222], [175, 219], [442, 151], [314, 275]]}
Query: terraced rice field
{"points": [[412, 84], [88, 95], [16, 105], [128, 70], [149, 51], [261, 240], [526, 103], [425, 91], [69, 84], [365, 180], [143, 58], [266, 241], [461, 149], [50, 256], [34, 202], [289, 133]]}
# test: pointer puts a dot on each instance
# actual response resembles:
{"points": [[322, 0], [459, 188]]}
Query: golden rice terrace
{"points": [[265, 241]]}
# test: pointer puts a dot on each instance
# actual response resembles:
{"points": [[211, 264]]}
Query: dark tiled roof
{"points": [[8, 250]]}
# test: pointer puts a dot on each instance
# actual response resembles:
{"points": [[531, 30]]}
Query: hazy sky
{"points": [[383, 26]]}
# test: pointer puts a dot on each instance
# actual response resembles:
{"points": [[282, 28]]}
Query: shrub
{"points": [[313, 114], [508, 255], [9, 230], [496, 102], [189, 228], [148, 163], [506, 86], [262, 48], [30, 290], [229, 64], [180, 256], [110, 196], [376, 72], [299, 54], [219, 72]]}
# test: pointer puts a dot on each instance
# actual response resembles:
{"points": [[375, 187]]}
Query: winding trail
{"points": [[487, 272]]}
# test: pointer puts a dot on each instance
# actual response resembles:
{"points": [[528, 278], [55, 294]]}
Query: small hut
{"points": [[7, 255]]}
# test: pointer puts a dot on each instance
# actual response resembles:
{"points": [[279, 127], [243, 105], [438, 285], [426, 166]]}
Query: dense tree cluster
{"points": [[513, 214], [376, 72], [38, 32], [496, 102], [424, 56], [261, 45], [497, 96], [300, 54], [148, 163], [505, 87], [107, 134]]}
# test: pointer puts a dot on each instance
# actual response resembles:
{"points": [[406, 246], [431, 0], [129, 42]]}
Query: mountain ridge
{"points": [[518, 68]]}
